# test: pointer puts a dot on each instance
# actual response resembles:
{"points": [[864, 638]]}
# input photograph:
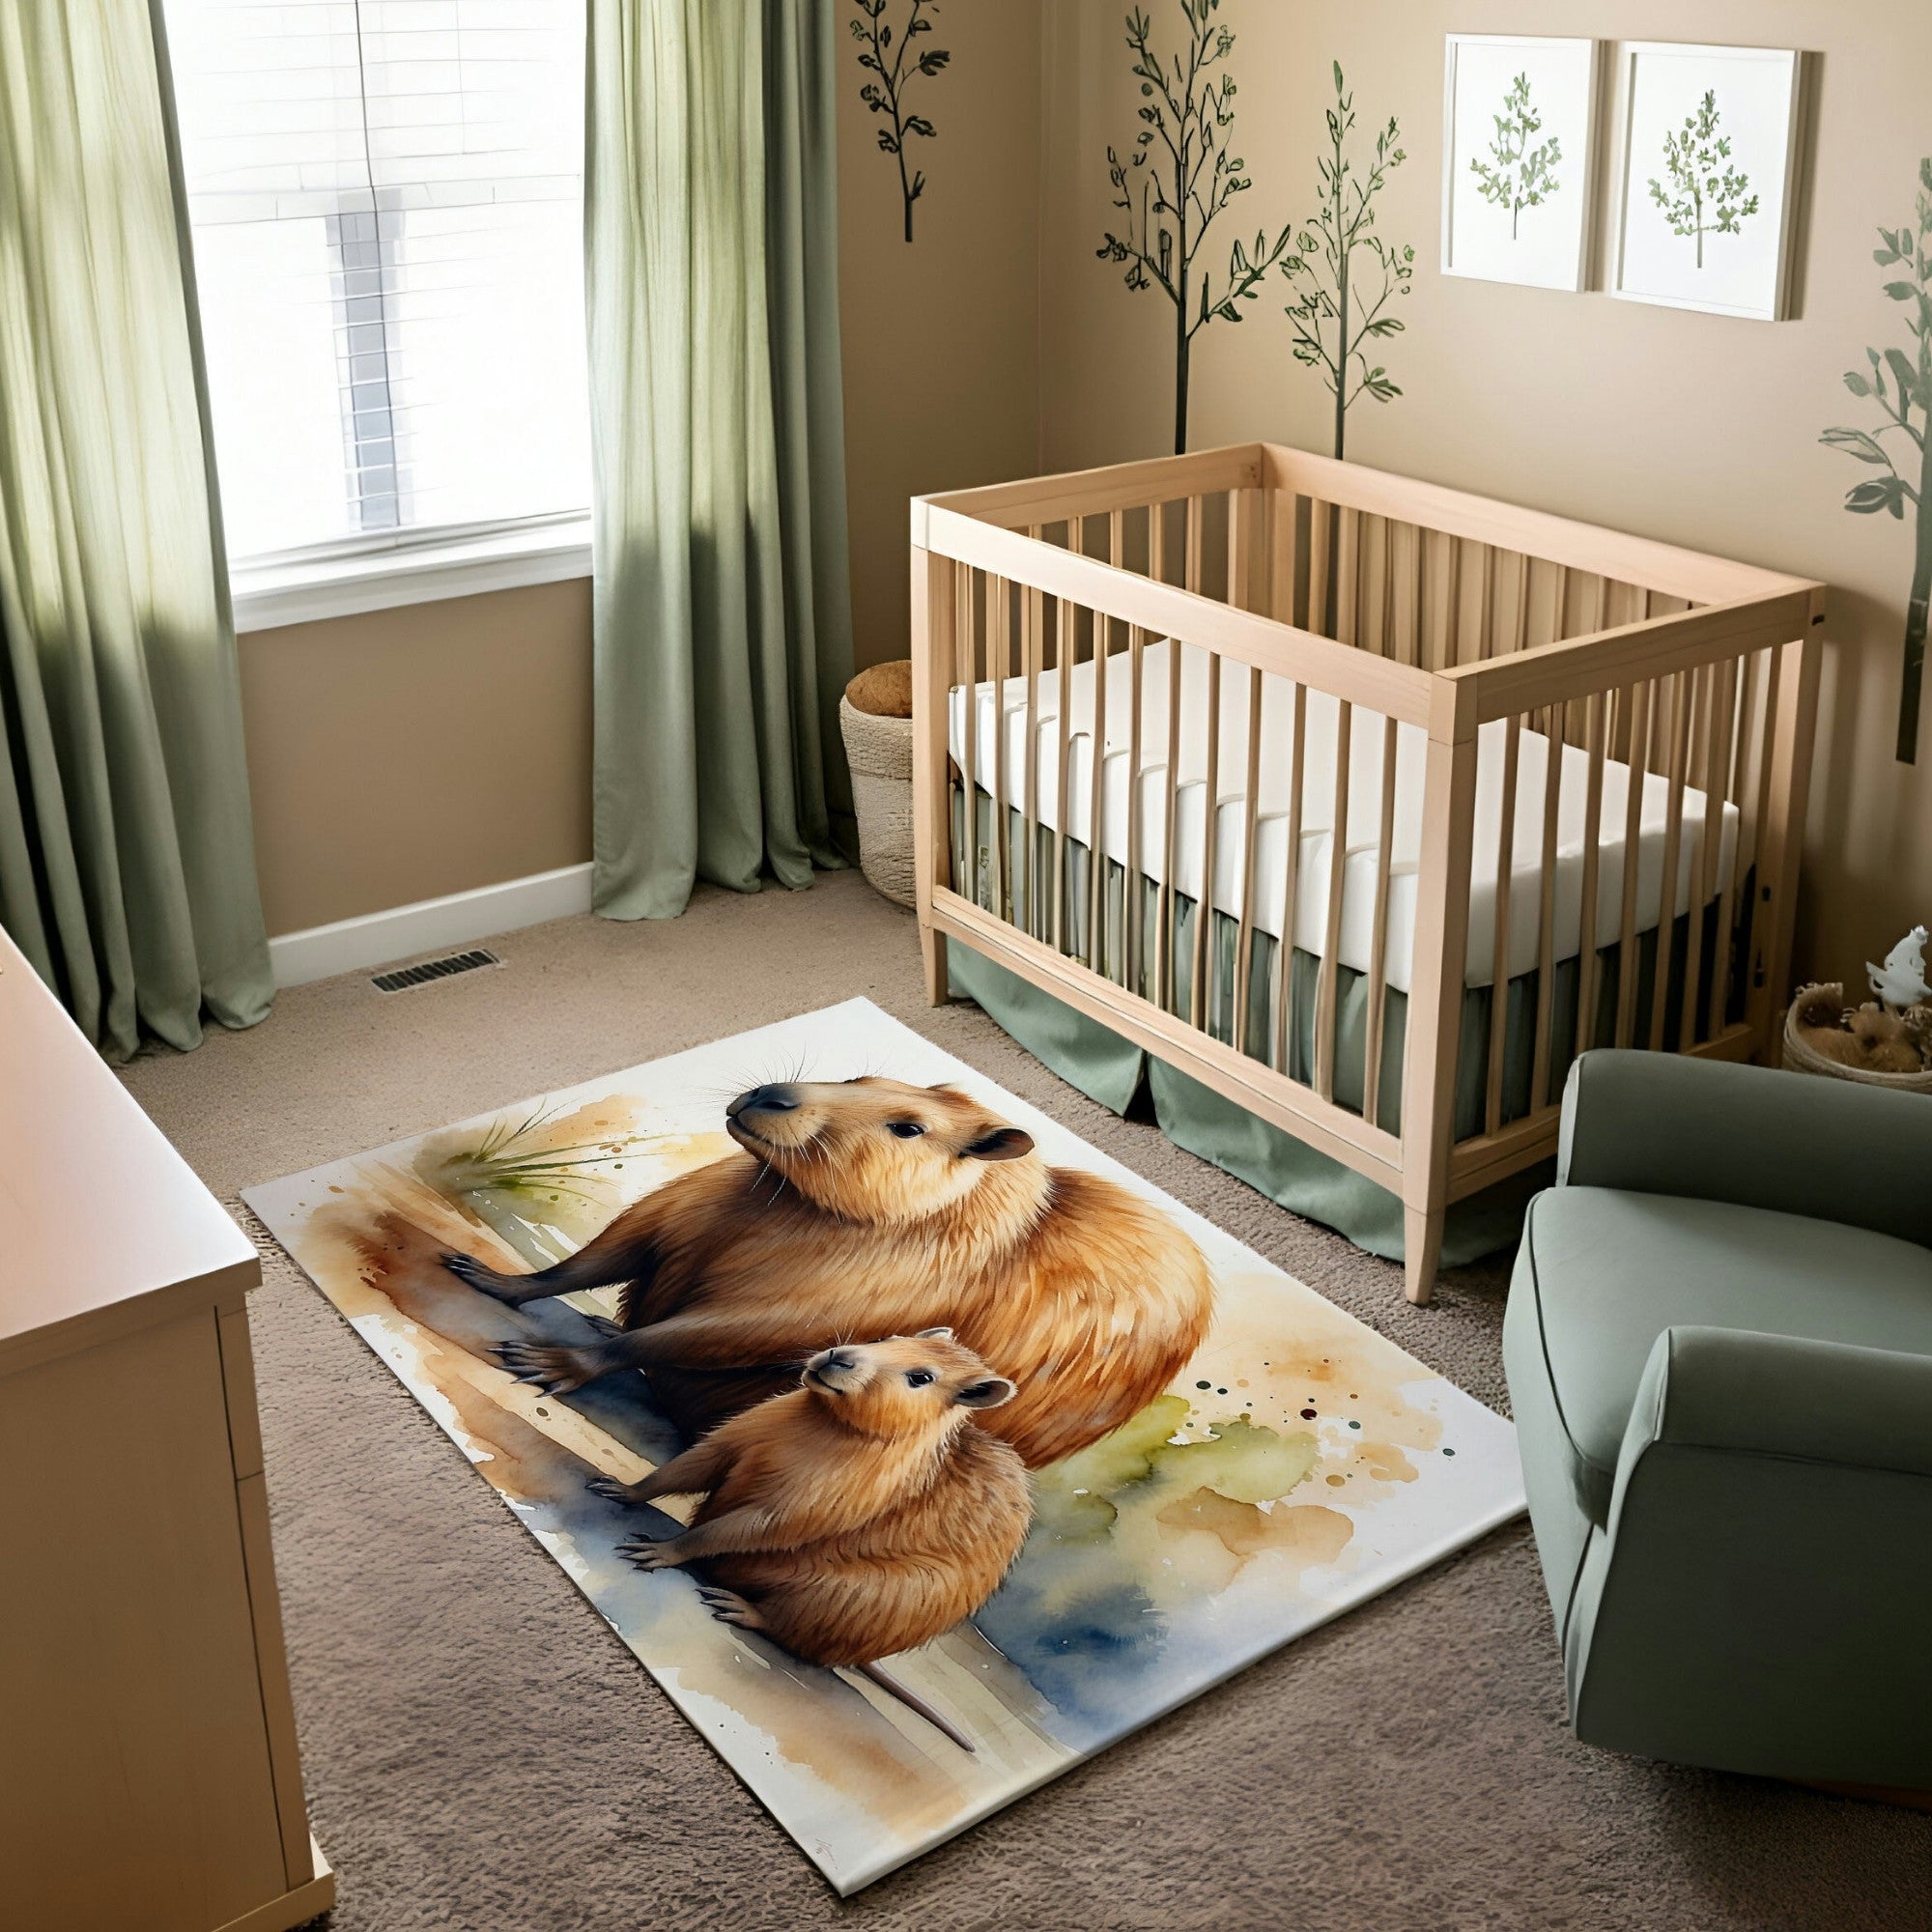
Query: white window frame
{"points": [[389, 569]]}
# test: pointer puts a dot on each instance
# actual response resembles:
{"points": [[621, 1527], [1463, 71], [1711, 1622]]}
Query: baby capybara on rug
{"points": [[856, 1516], [874, 1207]]}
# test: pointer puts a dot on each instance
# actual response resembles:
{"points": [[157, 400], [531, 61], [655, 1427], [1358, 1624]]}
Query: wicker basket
{"points": [[879, 751], [1802, 1059]]}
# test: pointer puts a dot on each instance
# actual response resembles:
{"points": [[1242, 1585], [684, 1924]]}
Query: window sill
{"points": [[268, 596]]}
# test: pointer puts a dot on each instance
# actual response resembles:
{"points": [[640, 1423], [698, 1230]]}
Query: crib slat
{"points": [[1521, 629], [1032, 629], [1097, 843], [1703, 716], [1348, 578], [1499, 966], [1637, 705], [1282, 517], [1546, 916], [1486, 604], [999, 643], [1452, 607], [1418, 558], [1193, 555], [1325, 1009], [1245, 942], [1372, 1064], [967, 646], [1323, 518], [1199, 1002], [1673, 832], [1063, 770], [1774, 660], [1164, 936], [1290, 877], [1596, 711], [1133, 963], [1715, 801]]}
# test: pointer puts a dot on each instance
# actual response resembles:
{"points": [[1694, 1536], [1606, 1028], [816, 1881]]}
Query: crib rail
{"points": [[1155, 648]]}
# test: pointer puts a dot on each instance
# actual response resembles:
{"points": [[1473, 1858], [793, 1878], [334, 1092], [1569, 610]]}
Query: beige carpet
{"points": [[483, 1754]]}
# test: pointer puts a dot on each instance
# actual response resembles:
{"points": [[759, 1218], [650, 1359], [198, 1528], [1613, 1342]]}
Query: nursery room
{"points": [[964, 962]]}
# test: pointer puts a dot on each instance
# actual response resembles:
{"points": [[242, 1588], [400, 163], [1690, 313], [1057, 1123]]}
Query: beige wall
{"points": [[426, 750], [941, 338], [416, 751], [1695, 428]]}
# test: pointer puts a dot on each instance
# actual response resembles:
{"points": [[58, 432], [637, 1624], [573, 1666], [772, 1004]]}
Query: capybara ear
{"points": [[935, 1334], [1002, 1144], [987, 1394]]}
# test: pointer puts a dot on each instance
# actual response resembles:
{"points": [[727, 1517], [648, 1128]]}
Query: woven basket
{"points": [[879, 751], [1802, 1059]]}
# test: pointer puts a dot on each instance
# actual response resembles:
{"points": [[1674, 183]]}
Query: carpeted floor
{"points": [[483, 1754]]}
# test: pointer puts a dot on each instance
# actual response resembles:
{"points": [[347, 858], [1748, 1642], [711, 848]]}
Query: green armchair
{"points": [[1719, 1346]]}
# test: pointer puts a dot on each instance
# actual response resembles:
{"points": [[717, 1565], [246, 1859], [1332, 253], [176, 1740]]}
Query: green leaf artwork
{"points": [[1178, 177], [895, 59], [1707, 195], [1900, 381], [1344, 275], [1517, 175]]}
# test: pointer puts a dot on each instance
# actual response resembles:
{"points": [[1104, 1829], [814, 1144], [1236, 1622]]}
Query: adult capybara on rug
{"points": [[872, 1207]]}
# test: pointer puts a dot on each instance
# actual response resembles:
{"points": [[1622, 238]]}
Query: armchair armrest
{"points": [[1756, 1602], [1785, 1396], [1665, 1124]]}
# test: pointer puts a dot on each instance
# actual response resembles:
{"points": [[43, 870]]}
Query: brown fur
{"points": [[858, 1515], [885, 690], [829, 1225]]}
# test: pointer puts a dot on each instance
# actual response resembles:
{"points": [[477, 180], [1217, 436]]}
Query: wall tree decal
{"points": [[1333, 317], [1176, 179], [1518, 176], [1707, 195], [885, 55], [1909, 389]]}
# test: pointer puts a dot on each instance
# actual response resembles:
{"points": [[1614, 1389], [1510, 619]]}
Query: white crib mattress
{"points": [[1363, 829]]}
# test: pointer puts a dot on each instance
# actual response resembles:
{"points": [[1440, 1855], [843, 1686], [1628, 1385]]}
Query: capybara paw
{"points": [[553, 1370], [728, 1607], [472, 1273], [616, 1491], [647, 1554]]}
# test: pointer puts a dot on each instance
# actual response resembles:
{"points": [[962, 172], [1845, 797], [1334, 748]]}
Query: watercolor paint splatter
{"points": [[1298, 1464]]}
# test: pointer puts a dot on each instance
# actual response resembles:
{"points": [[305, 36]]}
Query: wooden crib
{"points": [[1201, 741]]}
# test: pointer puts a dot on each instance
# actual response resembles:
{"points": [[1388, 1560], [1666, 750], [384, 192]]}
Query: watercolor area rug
{"points": [[898, 1578]]}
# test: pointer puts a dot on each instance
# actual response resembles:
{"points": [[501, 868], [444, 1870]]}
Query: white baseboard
{"points": [[430, 925]]}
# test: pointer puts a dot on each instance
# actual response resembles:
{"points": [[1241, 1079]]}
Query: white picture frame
{"points": [[1715, 232], [1508, 99]]}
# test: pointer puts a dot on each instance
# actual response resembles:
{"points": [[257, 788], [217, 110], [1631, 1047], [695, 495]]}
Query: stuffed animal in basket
{"points": [[1901, 981]]}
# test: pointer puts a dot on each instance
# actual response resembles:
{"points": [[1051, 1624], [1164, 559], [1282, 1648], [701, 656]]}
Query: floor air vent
{"points": [[404, 977]]}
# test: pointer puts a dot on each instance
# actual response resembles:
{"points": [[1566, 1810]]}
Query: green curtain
{"points": [[723, 615], [127, 859]]}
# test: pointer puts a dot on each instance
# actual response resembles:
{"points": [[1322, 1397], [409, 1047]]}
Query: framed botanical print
{"points": [[1705, 175], [1519, 145]]}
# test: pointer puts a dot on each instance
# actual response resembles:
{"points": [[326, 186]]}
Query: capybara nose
{"points": [[772, 1098]]}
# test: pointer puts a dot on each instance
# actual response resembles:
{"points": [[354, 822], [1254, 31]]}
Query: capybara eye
{"points": [[907, 1130], [917, 1378]]}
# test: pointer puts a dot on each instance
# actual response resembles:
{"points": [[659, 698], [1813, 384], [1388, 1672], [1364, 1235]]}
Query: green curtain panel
{"points": [[126, 859], [723, 611]]}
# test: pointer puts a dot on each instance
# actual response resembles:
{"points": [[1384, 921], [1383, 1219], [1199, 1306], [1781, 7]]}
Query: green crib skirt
{"points": [[1112, 1071]]}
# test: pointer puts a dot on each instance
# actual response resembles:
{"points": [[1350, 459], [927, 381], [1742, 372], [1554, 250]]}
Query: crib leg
{"points": [[932, 944], [1422, 1251]]}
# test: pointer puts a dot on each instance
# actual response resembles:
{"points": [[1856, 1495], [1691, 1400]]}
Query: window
{"points": [[387, 205]]}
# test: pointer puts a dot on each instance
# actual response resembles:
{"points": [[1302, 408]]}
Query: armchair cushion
{"points": [[1603, 1273], [1665, 1124]]}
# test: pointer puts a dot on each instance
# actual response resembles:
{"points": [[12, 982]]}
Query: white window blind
{"points": [[386, 203]]}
